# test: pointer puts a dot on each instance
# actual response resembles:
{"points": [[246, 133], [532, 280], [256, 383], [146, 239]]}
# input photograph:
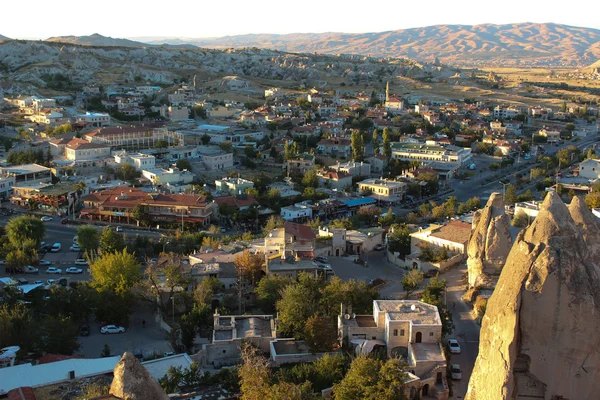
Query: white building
{"points": [[214, 158], [6, 184], [409, 329], [27, 174], [297, 213], [353, 168], [171, 176], [79, 150], [589, 169], [175, 113], [97, 120], [383, 189], [219, 134], [431, 151], [233, 185], [530, 208], [504, 112], [273, 92], [139, 160]]}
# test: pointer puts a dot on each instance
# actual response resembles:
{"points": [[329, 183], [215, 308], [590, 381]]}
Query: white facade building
{"points": [[297, 212], [97, 120]]}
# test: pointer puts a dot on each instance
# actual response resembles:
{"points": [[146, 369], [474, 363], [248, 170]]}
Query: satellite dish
{"points": [[347, 316], [353, 315], [413, 307]]}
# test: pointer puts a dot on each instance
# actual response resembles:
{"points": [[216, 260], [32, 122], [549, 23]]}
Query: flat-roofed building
{"points": [[383, 189], [431, 151]]}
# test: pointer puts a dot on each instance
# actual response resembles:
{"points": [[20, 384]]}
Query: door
{"points": [[425, 390], [419, 337]]}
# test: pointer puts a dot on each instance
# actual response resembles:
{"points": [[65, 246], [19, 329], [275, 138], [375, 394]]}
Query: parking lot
{"points": [[148, 338]]}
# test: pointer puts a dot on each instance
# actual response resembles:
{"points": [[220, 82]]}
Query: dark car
{"points": [[84, 330], [64, 221]]}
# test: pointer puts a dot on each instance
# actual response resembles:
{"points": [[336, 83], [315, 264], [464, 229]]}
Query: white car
{"points": [[455, 371], [75, 247], [81, 261], [54, 270], [73, 270], [38, 282], [31, 270], [453, 346], [45, 262], [105, 330], [119, 229], [46, 218]]}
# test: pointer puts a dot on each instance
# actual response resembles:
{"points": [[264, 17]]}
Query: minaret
{"points": [[387, 91]]}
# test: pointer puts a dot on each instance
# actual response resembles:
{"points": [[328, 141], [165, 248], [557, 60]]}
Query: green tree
{"points": [[88, 238], [592, 200], [110, 241], [358, 145], [18, 326], [274, 221], [59, 335], [184, 163], [162, 281], [520, 219], [375, 141], [226, 146], [298, 302], [320, 333], [161, 144], [510, 196], [269, 290], [399, 239], [249, 265], [105, 351], [387, 143], [205, 139], [139, 213], [310, 179], [25, 229], [127, 172], [372, 379], [206, 289], [411, 281], [116, 271], [435, 294]]}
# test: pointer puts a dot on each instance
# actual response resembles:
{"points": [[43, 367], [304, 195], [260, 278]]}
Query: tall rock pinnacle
{"points": [[133, 382], [539, 336], [490, 243]]}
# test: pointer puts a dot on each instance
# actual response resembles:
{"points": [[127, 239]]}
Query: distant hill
{"points": [[4, 38], [520, 44], [96, 40]]}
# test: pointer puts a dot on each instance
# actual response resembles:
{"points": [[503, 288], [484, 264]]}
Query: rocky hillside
{"points": [[95, 40], [3, 38], [539, 333], [525, 44], [29, 64]]}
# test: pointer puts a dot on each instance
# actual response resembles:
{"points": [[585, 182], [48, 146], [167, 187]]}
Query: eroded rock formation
{"points": [[539, 336], [133, 382], [490, 243]]}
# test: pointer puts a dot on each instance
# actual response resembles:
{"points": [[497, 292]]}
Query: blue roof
{"points": [[359, 202]]}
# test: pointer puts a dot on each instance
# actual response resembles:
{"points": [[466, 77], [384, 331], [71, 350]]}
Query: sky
{"points": [[214, 18]]}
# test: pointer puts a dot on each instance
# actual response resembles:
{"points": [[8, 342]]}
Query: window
{"points": [[395, 332], [401, 332], [430, 333]]}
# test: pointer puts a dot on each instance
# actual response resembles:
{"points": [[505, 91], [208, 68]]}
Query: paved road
{"points": [[466, 330]]}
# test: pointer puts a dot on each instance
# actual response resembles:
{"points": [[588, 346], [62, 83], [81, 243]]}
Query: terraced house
{"points": [[117, 204]]}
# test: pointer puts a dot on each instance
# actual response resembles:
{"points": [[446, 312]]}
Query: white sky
{"points": [[37, 19]]}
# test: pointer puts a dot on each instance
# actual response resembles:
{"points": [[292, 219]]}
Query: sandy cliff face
{"points": [[490, 243], [539, 336]]}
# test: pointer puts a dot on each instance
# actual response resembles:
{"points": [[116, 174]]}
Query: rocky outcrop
{"points": [[490, 243], [539, 336], [133, 382]]}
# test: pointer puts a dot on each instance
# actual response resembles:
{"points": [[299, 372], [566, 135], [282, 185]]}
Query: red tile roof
{"points": [[132, 196], [21, 393], [298, 230], [237, 202], [454, 231]]}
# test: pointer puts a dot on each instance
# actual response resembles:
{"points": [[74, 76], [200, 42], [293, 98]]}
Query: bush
{"points": [[520, 219]]}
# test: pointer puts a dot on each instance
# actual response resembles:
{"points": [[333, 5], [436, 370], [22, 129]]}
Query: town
{"points": [[319, 243]]}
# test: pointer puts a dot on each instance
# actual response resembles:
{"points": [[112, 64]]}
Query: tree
{"points": [[274, 221], [249, 265], [111, 241], [269, 290], [161, 144], [510, 196], [17, 326], [434, 294], [206, 289], [59, 335], [139, 213], [226, 146], [375, 141], [520, 219], [592, 200], [387, 143], [299, 302], [411, 281], [162, 280], [358, 145], [399, 239], [372, 379], [24, 229], [105, 351], [310, 179], [184, 163], [127, 172], [88, 238], [115, 271], [320, 333], [205, 139]]}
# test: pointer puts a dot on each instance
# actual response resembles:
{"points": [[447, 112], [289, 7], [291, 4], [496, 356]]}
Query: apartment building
{"points": [[383, 189], [116, 205], [431, 151], [97, 120]]}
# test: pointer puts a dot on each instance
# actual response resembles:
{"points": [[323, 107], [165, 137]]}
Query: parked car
{"points": [[54, 270], [2, 262], [46, 218], [31, 270], [81, 261], [74, 270], [38, 282], [22, 281], [453, 346], [56, 247], [321, 259], [119, 229], [75, 247], [45, 262], [76, 239], [105, 330], [64, 221], [84, 330], [378, 247], [455, 371]]}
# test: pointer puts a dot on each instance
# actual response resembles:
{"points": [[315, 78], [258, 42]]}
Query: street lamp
{"points": [[503, 190], [173, 313]]}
